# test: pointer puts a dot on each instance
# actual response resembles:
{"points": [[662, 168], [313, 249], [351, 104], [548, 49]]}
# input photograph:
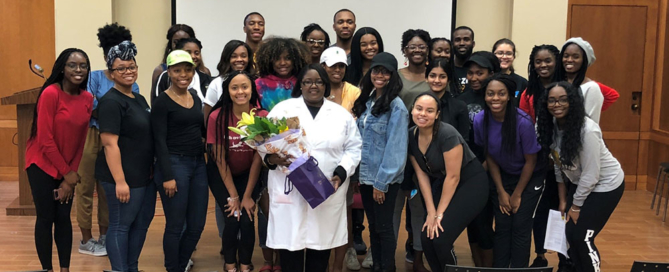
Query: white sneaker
{"points": [[190, 265], [91, 248], [368, 262], [351, 259]]}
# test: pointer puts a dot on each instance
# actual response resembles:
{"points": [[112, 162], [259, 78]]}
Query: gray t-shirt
{"points": [[432, 162], [411, 89]]}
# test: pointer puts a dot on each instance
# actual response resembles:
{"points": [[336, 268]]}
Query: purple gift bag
{"points": [[310, 182]]}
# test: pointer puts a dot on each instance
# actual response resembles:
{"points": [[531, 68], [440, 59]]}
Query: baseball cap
{"points": [[386, 60], [333, 55], [480, 61], [178, 56]]}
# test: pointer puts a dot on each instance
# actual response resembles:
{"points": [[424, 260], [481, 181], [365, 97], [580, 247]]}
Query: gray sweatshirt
{"points": [[594, 170]]}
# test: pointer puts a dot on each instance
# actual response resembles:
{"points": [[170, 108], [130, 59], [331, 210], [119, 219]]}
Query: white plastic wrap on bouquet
{"points": [[292, 143]]}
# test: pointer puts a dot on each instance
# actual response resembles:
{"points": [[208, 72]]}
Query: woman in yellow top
{"points": [[343, 93]]}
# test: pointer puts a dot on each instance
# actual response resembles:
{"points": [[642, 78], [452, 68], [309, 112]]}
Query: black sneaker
{"points": [[539, 262]]}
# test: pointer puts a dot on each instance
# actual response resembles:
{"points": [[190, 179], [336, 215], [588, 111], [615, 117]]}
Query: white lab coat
{"points": [[335, 141]]}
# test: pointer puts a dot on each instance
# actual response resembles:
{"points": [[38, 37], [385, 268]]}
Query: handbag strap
{"points": [[287, 186]]}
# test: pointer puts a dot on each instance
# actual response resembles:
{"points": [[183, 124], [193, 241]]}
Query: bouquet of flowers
{"points": [[286, 138], [273, 136]]}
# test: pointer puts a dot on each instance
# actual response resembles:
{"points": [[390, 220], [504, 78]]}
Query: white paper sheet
{"points": [[556, 238]]}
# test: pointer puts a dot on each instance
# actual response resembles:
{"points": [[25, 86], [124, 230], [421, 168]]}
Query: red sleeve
{"points": [[211, 126], [527, 104], [610, 96], [83, 133], [46, 111]]}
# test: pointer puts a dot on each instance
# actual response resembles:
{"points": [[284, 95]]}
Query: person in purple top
{"points": [[512, 160]]}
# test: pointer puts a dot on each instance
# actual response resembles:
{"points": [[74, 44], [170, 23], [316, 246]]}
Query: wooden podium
{"points": [[25, 107]]}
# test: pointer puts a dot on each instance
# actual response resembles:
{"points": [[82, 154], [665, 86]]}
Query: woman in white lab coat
{"points": [[335, 143]]}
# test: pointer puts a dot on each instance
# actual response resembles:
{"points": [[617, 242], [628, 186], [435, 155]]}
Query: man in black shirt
{"points": [[463, 46]]}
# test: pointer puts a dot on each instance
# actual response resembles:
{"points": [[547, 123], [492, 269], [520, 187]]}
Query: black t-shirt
{"points": [[461, 76], [176, 130], [475, 101], [432, 162], [454, 112], [130, 119]]}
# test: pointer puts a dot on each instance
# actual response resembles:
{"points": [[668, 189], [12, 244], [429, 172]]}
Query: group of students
{"points": [[456, 136]]}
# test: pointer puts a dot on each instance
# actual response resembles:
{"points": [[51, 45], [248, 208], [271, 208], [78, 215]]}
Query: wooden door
{"points": [[623, 34]]}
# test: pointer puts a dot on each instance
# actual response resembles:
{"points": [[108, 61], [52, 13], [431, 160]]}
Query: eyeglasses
{"points": [[505, 54], [413, 47], [309, 83], [124, 69], [380, 70], [73, 66], [563, 101], [427, 165], [317, 42]]}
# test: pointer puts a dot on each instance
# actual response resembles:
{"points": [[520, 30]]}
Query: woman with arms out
{"points": [[304, 235], [597, 179], [54, 150]]}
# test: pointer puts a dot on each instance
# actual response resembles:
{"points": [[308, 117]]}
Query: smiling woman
{"points": [[54, 150], [316, 40]]}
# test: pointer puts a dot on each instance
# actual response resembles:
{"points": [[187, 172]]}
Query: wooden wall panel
{"points": [[657, 152], [28, 33]]}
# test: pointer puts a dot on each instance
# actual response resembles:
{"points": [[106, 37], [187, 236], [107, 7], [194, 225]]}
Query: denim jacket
{"points": [[384, 145]]}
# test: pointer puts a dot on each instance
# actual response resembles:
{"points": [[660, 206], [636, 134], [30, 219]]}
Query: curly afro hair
{"points": [[111, 35], [272, 48]]}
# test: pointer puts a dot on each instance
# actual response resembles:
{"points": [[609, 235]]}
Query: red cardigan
{"points": [[526, 102], [62, 125]]}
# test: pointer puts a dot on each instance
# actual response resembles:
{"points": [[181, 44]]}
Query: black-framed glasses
{"points": [[380, 70], [124, 69], [74, 66], [414, 47], [309, 83], [317, 42], [427, 165], [562, 101]]}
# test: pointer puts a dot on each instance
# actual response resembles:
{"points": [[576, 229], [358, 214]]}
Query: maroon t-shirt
{"points": [[240, 155]]}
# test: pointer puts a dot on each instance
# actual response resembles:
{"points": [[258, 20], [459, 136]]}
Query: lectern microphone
{"points": [[36, 69]]}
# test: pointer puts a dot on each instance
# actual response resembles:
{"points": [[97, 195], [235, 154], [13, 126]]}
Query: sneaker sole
{"points": [[92, 253]]}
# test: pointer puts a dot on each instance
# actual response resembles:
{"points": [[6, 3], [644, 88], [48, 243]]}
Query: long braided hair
{"points": [[535, 88]]}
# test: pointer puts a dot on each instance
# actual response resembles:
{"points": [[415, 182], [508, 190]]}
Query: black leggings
{"points": [[594, 214], [296, 261], [469, 199], [50, 214], [513, 233], [231, 245]]}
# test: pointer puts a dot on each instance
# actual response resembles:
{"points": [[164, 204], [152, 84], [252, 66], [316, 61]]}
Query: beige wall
{"points": [[525, 22], [148, 20], [77, 23], [537, 22], [490, 20]]}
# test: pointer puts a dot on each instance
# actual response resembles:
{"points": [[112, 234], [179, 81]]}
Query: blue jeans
{"points": [[128, 224], [188, 205]]}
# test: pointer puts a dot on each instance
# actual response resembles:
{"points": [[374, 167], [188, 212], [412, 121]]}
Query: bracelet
{"points": [[572, 209], [233, 198], [439, 216]]}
